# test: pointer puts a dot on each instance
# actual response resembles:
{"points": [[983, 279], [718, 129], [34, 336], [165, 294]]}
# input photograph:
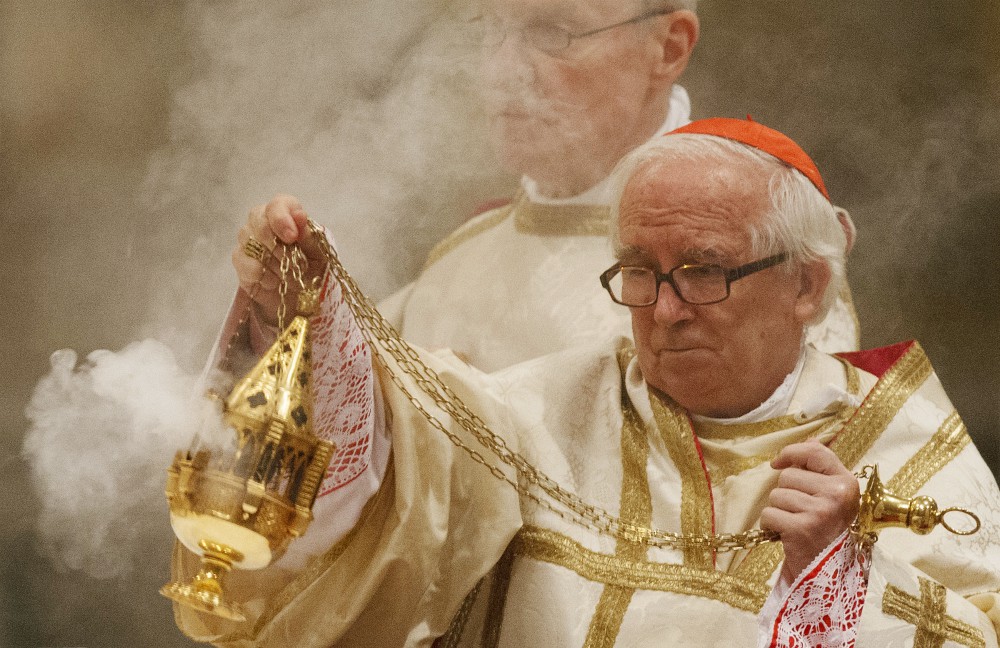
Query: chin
{"points": [[687, 383], [523, 157]]}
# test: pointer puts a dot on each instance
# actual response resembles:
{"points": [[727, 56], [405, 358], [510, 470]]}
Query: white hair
{"points": [[800, 220]]}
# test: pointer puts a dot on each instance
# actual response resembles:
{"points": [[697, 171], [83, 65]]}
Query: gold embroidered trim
{"points": [[929, 614], [712, 430], [946, 444], [554, 548], [860, 432], [723, 467], [607, 622], [882, 405], [636, 501], [636, 507], [562, 220], [470, 230], [697, 516], [759, 564]]}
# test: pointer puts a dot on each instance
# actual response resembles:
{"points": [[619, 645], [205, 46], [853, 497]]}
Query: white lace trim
{"points": [[343, 390], [823, 606]]}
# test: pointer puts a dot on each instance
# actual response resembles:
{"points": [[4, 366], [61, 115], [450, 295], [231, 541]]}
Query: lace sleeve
{"points": [[347, 410], [343, 383], [823, 606]]}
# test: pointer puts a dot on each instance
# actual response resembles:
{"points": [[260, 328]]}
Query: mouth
{"points": [[680, 349]]}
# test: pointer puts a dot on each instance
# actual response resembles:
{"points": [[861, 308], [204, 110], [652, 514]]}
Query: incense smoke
{"points": [[377, 128], [101, 434]]}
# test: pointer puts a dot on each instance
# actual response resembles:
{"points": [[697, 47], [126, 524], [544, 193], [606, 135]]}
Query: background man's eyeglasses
{"points": [[694, 283], [546, 36]]}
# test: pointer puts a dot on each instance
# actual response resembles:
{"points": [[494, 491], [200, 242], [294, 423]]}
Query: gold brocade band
{"points": [[636, 507], [697, 514], [882, 405], [946, 444], [557, 549], [487, 221], [860, 432], [543, 219], [929, 614]]}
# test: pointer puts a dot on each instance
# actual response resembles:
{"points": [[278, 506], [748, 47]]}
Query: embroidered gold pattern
{"points": [[468, 231], [562, 220], [697, 516], [950, 439], [930, 614], [882, 405], [607, 620], [713, 430], [636, 507], [727, 466], [557, 549]]}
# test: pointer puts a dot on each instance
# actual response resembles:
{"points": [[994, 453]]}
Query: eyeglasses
{"points": [[694, 283], [545, 36]]}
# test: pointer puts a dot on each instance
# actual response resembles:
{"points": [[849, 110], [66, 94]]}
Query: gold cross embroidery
{"points": [[930, 614]]}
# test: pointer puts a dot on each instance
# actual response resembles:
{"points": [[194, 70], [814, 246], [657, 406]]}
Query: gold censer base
{"points": [[204, 592]]}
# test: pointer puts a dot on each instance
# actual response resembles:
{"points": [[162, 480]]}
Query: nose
{"points": [[669, 307], [506, 64]]}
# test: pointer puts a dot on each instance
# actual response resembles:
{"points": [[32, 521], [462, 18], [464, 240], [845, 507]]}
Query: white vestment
{"points": [[447, 513]]}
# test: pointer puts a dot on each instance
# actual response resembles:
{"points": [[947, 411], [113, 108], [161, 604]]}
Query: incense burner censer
{"points": [[239, 506]]}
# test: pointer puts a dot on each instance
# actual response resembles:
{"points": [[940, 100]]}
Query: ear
{"points": [[814, 277], [676, 34], [848, 225]]}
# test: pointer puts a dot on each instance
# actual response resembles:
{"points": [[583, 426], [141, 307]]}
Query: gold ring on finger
{"points": [[255, 249]]}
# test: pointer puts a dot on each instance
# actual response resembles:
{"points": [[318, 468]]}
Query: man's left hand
{"points": [[815, 500]]}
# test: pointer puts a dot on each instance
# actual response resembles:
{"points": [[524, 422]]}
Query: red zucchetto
{"points": [[759, 137]]}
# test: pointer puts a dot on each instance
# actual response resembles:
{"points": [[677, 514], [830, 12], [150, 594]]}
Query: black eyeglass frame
{"points": [[730, 274]]}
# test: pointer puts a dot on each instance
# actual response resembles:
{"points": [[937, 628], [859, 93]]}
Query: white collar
{"points": [[813, 387], [776, 405], [678, 115]]}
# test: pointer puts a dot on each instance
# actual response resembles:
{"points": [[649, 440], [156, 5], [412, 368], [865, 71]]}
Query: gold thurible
{"points": [[882, 509], [239, 507]]}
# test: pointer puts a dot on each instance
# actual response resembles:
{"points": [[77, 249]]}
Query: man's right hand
{"points": [[282, 219]]}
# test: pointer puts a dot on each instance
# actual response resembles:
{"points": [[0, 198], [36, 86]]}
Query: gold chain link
{"points": [[382, 337], [286, 258]]}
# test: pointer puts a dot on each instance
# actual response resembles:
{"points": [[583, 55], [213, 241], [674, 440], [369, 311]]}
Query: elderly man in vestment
{"points": [[570, 87], [617, 490]]}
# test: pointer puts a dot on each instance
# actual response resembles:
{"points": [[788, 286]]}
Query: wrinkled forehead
{"points": [[582, 11], [690, 204], [671, 180]]}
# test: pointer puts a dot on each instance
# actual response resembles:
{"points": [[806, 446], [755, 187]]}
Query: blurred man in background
{"points": [[570, 88]]}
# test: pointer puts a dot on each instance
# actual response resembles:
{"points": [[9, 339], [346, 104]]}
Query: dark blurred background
{"points": [[896, 100]]}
